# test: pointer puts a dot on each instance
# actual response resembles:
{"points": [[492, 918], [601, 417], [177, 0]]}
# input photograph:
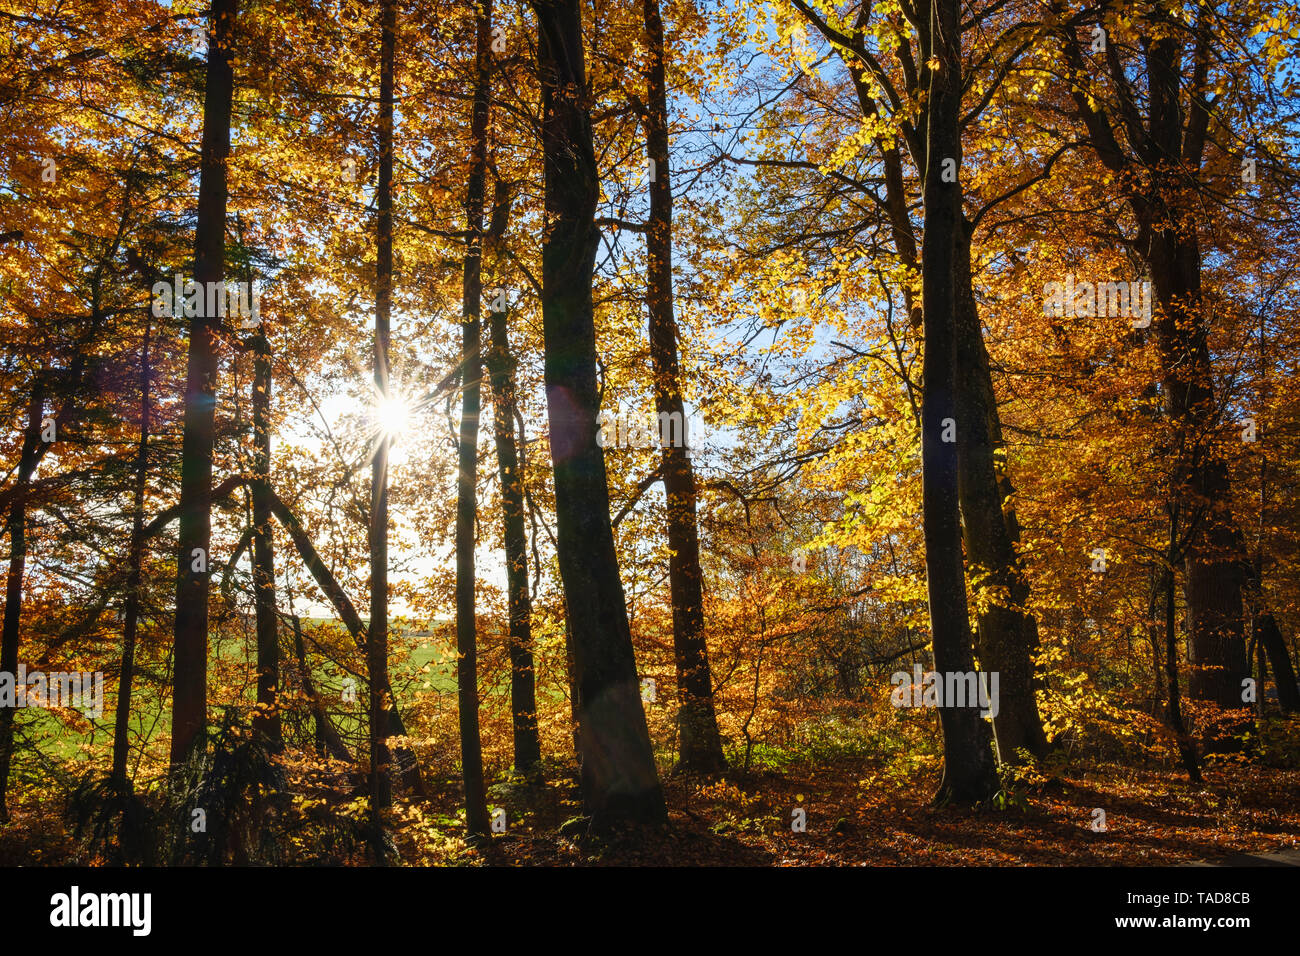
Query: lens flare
{"points": [[392, 416]]}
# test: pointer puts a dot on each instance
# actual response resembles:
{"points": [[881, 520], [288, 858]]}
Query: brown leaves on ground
{"points": [[854, 817]]}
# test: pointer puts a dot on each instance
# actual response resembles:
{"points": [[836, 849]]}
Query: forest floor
{"points": [[858, 816], [856, 812]]}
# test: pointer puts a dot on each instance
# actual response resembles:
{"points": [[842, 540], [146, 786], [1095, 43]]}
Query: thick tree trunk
{"points": [[134, 579], [17, 531], [471, 747], [700, 747], [381, 796], [1007, 634], [1006, 631], [189, 700], [620, 782], [523, 693], [267, 721], [969, 773]]}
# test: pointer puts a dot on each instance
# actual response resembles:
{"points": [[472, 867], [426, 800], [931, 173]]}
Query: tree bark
{"points": [[1270, 639], [327, 738], [620, 782], [1186, 746], [189, 700], [1006, 632], [17, 531], [381, 796], [134, 579], [1166, 155], [267, 722], [969, 774], [700, 747], [471, 747], [523, 693]]}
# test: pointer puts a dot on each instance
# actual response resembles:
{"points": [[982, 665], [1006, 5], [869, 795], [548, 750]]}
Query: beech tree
{"points": [[701, 749], [471, 370], [377, 633], [619, 779], [194, 537]]}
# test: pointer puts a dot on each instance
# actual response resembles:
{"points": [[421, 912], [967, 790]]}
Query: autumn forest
{"points": [[672, 432]]}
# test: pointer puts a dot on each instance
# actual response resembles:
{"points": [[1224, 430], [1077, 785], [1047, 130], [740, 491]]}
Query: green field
{"points": [[47, 738]]}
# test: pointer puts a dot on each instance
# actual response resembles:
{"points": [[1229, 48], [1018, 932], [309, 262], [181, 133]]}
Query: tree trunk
{"points": [[1214, 556], [1186, 746], [134, 578], [381, 796], [347, 612], [1214, 559], [327, 738], [969, 774], [620, 782], [17, 531], [523, 693], [1153, 636], [1006, 632], [267, 721], [189, 701], [1169, 153], [1270, 639], [471, 747], [701, 748]]}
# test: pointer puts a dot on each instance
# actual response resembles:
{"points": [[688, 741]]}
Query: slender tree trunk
{"points": [[701, 748], [620, 782], [347, 613], [1153, 636], [471, 748], [1270, 638], [381, 795], [523, 694], [134, 578], [267, 721], [1006, 631], [17, 531], [327, 738], [189, 701], [969, 773], [1186, 746], [575, 691]]}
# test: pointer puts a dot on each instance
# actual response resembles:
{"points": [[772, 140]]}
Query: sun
{"points": [[392, 416]]}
